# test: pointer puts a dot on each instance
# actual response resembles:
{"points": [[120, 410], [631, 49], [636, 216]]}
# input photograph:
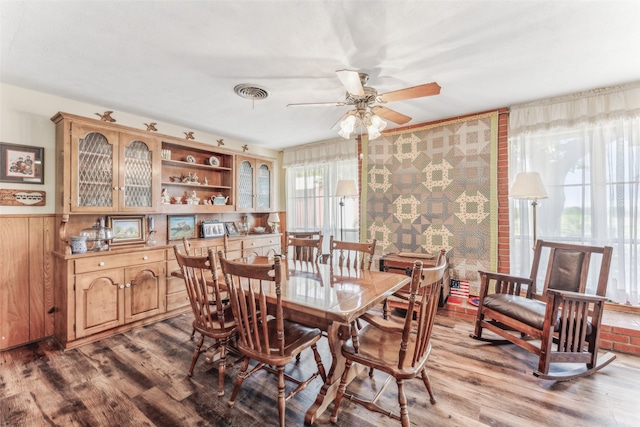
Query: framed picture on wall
{"points": [[180, 226], [21, 163]]}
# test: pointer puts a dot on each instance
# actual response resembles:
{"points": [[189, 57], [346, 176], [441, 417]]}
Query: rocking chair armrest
{"points": [[572, 296], [486, 277], [383, 324]]}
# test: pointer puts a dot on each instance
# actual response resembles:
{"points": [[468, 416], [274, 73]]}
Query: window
{"points": [[313, 205], [313, 172], [591, 169]]}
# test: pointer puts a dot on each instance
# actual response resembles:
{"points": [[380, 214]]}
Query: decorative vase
{"points": [[78, 244]]}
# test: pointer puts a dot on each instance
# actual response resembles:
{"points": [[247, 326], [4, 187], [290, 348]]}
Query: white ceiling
{"points": [[178, 61]]}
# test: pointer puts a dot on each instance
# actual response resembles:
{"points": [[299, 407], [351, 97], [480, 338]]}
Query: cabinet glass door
{"points": [[95, 171], [245, 185], [138, 175], [263, 184]]}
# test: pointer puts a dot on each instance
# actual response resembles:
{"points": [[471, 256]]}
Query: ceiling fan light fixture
{"points": [[373, 132], [347, 126], [378, 122]]}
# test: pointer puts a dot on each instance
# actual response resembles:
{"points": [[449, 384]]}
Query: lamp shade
{"points": [[346, 187], [347, 126], [528, 185], [273, 217]]}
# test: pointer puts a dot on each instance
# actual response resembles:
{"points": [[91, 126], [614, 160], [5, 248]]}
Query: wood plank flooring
{"points": [[138, 378]]}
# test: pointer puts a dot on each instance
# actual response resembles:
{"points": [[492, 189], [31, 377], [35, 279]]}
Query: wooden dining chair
{"points": [[213, 317], [351, 254], [303, 249], [399, 349], [562, 323], [264, 334]]}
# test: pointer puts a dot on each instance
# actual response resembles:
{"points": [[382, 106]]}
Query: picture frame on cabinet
{"points": [[180, 226], [231, 229], [21, 163], [127, 229], [210, 229]]}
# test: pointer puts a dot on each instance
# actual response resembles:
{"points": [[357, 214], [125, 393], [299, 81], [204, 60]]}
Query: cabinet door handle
{"points": [[121, 188], [144, 258], [128, 285], [115, 188], [121, 286], [101, 264]]}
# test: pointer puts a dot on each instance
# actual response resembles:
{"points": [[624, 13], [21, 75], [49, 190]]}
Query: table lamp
{"points": [[274, 221]]}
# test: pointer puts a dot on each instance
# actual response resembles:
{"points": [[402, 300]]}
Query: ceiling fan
{"points": [[365, 100]]}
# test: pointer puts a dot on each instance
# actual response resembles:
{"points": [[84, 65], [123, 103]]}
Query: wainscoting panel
{"points": [[26, 284]]}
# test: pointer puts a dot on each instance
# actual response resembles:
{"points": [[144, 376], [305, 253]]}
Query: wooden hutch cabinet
{"points": [[201, 170], [116, 290], [101, 293], [254, 189], [105, 170], [110, 169]]}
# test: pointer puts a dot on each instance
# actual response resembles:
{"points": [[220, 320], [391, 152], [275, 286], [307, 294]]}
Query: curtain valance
{"points": [[591, 106], [320, 152]]}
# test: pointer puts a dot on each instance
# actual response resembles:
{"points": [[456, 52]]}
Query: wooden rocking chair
{"points": [[563, 314]]}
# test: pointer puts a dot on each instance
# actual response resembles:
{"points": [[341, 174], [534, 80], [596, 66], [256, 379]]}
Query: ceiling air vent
{"points": [[250, 91]]}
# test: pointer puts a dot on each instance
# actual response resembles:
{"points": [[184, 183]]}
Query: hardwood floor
{"points": [[138, 378]]}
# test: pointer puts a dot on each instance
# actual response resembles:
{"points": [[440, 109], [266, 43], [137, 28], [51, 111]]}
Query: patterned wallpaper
{"points": [[434, 187]]}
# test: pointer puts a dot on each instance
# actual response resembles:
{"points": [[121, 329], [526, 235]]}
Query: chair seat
{"points": [[229, 325], [525, 310], [296, 338], [379, 349], [528, 311]]}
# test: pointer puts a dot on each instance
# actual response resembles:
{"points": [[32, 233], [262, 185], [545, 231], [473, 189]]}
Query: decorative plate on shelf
{"points": [[191, 159], [214, 161]]}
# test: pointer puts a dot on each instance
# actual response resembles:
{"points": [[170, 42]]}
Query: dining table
{"points": [[331, 298]]}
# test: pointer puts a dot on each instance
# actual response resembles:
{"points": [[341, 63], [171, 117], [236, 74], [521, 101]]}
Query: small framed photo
{"points": [[181, 226], [127, 229], [231, 229], [21, 163], [211, 229]]}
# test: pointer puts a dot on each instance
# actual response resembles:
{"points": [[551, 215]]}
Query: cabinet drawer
{"points": [[171, 267], [234, 245], [108, 261], [262, 241], [175, 285], [177, 300]]}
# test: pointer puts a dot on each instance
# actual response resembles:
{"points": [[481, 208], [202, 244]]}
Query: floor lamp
{"points": [[345, 188], [529, 186]]}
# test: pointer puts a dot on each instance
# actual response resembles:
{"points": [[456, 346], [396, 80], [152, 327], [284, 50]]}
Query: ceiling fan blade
{"points": [[351, 81], [410, 93], [315, 104], [391, 115]]}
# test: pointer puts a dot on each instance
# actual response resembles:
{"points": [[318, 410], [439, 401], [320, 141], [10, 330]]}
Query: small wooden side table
{"points": [[396, 263]]}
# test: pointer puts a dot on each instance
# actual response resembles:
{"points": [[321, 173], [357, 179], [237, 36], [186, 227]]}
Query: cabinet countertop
{"points": [[162, 245]]}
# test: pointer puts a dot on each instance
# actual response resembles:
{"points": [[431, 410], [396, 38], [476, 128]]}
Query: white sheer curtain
{"points": [[312, 174], [586, 147]]}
